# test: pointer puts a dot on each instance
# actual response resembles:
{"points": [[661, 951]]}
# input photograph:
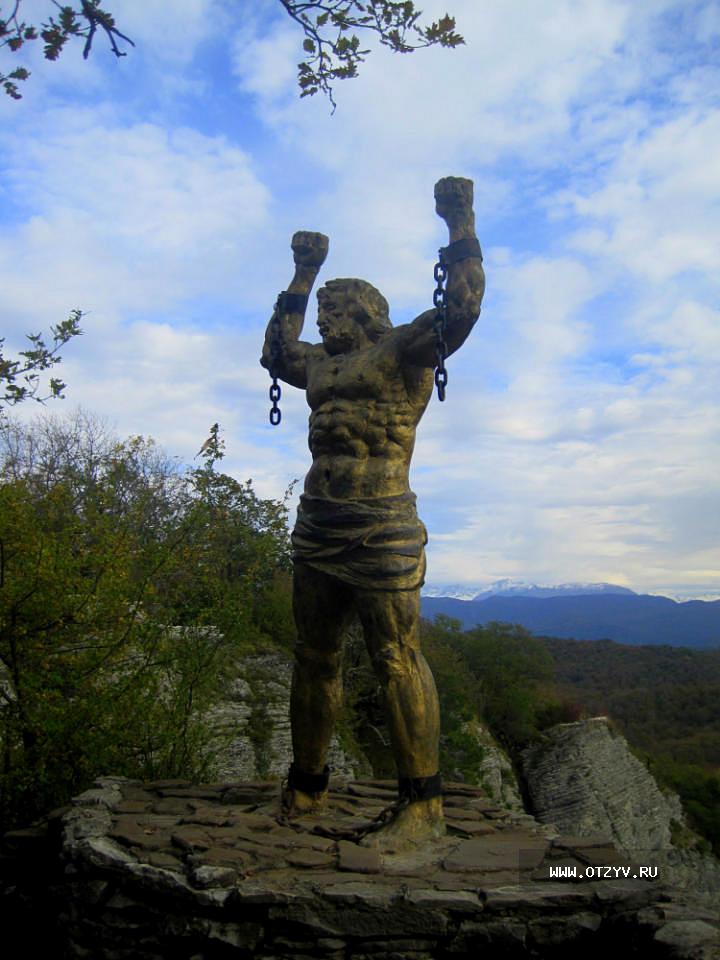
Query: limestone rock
{"points": [[252, 725], [496, 771], [583, 778]]}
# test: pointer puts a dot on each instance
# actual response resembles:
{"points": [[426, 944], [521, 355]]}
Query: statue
{"points": [[358, 543]]}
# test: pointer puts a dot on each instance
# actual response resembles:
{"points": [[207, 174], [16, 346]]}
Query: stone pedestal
{"points": [[170, 870]]}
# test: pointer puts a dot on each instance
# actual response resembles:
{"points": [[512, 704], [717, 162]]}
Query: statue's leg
{"points": [[323, 608], [391, 621]]}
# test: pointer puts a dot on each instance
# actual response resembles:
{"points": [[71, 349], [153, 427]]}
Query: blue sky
{"points": [[580, 439]]}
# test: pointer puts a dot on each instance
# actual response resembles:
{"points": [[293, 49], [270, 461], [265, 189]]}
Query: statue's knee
{"points": [[391, 664], [320, 664]]}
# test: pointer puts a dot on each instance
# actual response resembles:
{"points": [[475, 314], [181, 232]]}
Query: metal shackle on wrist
{"points": [[464, 249]]}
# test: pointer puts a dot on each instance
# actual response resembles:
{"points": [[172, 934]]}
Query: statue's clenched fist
{"points": [[454, 199], [309, 249]]}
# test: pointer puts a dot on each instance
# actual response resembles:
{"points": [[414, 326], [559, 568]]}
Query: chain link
{"points": [[275, 354], [440, 304]]}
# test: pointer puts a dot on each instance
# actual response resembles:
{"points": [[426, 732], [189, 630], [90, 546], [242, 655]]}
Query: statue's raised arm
{"points": [[284, 353], [465, 278]]}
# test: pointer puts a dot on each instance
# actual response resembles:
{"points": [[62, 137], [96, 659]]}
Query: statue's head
{"points": [[343, 303]]}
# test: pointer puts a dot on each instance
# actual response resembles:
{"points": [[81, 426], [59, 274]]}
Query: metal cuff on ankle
{"points": [[460, 250], [413, 789], [308, 782]]}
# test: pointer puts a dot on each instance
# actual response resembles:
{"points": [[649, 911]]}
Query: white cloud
{"points": [[124, 218], [147, 229], [172, 33], [266, 65], [142, 184], [510, 87], [652, 211], [577, 441]]}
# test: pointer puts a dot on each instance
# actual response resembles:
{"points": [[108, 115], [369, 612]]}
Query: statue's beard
{"points": [[337, 342]]}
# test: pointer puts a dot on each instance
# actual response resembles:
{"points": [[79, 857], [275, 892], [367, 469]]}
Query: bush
{"points": [[129, 587]]}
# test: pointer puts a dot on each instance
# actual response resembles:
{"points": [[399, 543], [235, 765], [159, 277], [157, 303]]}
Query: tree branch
{"points": [[331, 58], [55, 33], [39, 357]]}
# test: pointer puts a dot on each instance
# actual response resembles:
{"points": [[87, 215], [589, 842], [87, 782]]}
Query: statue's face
{"points": [[340, 332]]}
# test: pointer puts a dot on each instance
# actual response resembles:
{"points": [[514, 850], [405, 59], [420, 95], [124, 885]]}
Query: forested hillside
{"points": [[667, 700]]}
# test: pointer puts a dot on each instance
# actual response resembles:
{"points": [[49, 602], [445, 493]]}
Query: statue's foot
{"points": [[304, 793], [296, 803], [413, 825]]}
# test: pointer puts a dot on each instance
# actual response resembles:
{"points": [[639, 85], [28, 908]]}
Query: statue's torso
{"points": [[366, 406]]}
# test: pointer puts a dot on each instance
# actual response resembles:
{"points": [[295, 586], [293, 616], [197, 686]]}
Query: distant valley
{"points": [[585, 612]]}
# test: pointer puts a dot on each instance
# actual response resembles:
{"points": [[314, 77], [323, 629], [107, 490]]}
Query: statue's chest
{"points": [[362, 376]]}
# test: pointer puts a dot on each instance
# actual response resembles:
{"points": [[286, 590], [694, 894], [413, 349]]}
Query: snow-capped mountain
{"points": [[519, 588], [458, 591]]}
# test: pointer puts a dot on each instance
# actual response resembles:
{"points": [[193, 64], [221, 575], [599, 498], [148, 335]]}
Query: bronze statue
{"points": [[358, 543]]}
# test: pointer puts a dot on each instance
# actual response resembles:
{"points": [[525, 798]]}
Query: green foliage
{"points": [[459, 695], [461, 755], [498, 673], [232, 547], [273, 607], [664, 698], [332, 48], [699, 791], [129, 588], [20, 379], [55, 32], [458, 690], [515, 676]]}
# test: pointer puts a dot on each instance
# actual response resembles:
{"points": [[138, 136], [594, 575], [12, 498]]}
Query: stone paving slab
{"points": [[457, 812], [358, 859], [469, 828], [497, 852], [310, 859], [370, 791]]}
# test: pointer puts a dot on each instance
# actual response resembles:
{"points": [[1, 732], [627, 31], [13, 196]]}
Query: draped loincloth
{"points": [[374, 544]]}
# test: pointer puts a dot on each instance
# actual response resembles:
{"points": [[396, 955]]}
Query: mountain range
{"points": [[520, 588], [582, 612]]}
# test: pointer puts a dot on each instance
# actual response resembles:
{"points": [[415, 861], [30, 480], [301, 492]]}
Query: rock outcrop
{"points": [[496, 774], [252, 726], [170, 870], [583, 778]]}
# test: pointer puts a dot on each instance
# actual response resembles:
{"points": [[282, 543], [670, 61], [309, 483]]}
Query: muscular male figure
{"points": [[358, 544]]}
